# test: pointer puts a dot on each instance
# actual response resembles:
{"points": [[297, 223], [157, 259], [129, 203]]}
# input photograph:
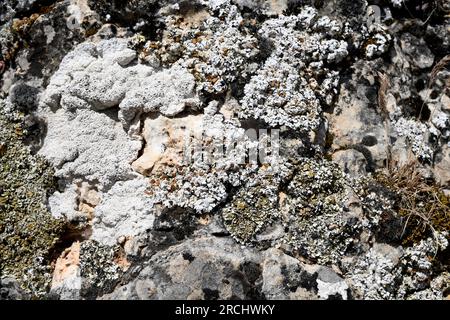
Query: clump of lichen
{"points": [[296, 80], [27, 230], [311, 204], [214, 44], [199, 183], [97, 268], [319, 224], [317, 186], [402, 274], [251, 209], [423, 204]]}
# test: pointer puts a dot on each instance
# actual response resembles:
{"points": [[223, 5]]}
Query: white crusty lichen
{"points": [[125, 211], [398, 3], [92, 107], [295, 81], [200, 176], [102, 76], [394, 273], [441, 121], [416, 133], [94, 76], [168, 92], [217, 49], [90, 146], [375, 276], [377, 44]]}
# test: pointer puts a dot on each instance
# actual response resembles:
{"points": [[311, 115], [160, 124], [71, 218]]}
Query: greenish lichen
{"points": [[97, 268], [317, 186], [313, 207], [318, 224], [309, 205], [28, 233], [251, 209]]}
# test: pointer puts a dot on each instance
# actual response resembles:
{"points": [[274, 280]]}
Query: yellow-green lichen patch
{"points": [[28, 233], [251, 209], [317, 224]]}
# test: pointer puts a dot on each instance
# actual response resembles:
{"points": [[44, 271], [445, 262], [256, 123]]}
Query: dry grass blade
{"points": [[439, 67], [382, 104], [433, 76], [382, 100], [424, 206]]}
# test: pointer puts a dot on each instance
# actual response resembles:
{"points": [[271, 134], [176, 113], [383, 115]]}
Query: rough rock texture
{"points": [[211, 268], [66, 276], [292, 83], [224, 149]]}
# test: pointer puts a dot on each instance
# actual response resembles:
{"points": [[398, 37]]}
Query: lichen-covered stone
{"points": [[128, 135], [293, 84], [28, 231]]}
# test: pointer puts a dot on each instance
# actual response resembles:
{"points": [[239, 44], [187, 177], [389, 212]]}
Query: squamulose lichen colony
{"points": [[224, 149]]}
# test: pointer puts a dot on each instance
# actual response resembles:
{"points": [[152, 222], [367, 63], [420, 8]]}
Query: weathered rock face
{"points": [[165, 141], [223, 149], [66, 276], [213, 268], [11, 290]]}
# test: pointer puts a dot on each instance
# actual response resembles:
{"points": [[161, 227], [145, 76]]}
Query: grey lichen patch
{"points": [[98, 270], [317, 186], [213, 43], [250, 210], [296, 82], [317, 224], [417, 134], [28, 232], [197, 182], [314, 211], [399, 274]]}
